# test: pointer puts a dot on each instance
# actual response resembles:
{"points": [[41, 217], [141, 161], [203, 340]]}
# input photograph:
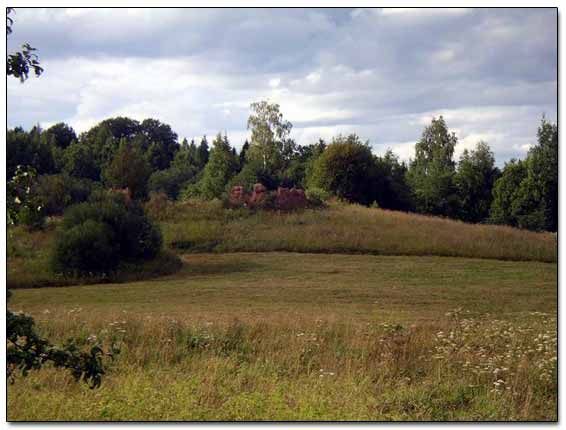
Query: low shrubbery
{"points": [[57, 192], [96, 236]]}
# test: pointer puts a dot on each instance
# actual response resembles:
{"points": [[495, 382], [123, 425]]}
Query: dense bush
{"points": [[57, 192], [317, 196], [345, 169], [21, 205], [86, 249], [158, 206], [171, 181], [111, 231]]}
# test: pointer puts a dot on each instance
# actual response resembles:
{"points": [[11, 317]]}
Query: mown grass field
{"points": [[290, 336], [353, 314], [196, 227]]}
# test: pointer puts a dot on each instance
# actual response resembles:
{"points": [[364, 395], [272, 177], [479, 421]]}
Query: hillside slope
{"points": [[198, 227]]}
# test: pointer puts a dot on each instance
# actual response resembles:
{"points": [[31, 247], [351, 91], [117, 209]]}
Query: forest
{"points": [[59, 168]]}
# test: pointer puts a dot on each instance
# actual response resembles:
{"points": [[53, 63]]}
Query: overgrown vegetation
{"points": [[336, 337], [95, 237], [145, 157], [279, 336]]}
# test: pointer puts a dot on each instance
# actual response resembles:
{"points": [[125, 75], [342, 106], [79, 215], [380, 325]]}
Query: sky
{"points": [[380, 73]]}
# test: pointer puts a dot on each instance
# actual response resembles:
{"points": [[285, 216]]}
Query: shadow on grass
{"points": [[166, 263], [214, 266]]}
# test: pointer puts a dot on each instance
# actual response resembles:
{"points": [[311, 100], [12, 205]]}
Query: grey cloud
{"points": [[337, 70]]}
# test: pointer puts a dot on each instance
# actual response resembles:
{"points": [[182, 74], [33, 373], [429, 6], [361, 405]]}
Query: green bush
{"points": [[86, 249], [346, 169], [57, 192], [317, 196], [133, 237], [31, 216]]}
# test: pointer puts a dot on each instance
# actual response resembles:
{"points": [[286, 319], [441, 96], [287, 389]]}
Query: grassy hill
{"points": [[198, 227], [451, 325]]}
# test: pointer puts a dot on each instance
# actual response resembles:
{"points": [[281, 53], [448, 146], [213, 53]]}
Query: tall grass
{"points": [[462, 367], [202, 226]]}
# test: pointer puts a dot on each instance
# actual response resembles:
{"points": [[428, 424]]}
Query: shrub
{"points": [[170, 181], [57, 192], [22, 206], [158, 207], [32, 217], [133, 236], [86, 249], [346, 168], [317, 196]]}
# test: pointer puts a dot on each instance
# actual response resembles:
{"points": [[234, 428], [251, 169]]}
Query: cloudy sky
{"points": [[382, 73]]}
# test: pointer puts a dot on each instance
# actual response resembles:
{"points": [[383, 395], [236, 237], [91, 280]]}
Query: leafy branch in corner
{"points": [[26, 351], [20, 63]]}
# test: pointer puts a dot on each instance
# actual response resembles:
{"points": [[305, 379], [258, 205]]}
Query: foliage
{"points": [[26, 351], [221, 166], [129, 169], [390, 183], [345, 169], [86, 249], [60, 135], [79, 160], [202, 153], [474, 181], [504, 193], [187, 157], [22, 206], [543, 164], [26, 149], [253, 173], [57, 192], [269, 132], [19, 64], [526, 195], [162, 143], [243, 154], [431, 173], [317, 196], [145, 157], [170, 181], [103, 232]]}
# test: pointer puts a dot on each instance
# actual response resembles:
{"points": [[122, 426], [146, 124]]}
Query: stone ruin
{"points": [[290, 198], [258, 197], [238, 197], [282, 199]]}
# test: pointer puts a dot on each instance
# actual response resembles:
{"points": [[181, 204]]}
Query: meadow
{"points": [[354, 314]]}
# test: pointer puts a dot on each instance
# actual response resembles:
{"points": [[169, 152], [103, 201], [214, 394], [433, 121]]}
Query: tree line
{"points": [[146, 157]]}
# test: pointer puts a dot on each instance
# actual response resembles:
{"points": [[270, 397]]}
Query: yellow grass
{"points": [[284, 336], [350, 229]]}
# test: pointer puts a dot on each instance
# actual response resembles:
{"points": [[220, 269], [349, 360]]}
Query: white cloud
{"points": [[274, 82], [381, 73], [424, 12], [313, 77]]}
